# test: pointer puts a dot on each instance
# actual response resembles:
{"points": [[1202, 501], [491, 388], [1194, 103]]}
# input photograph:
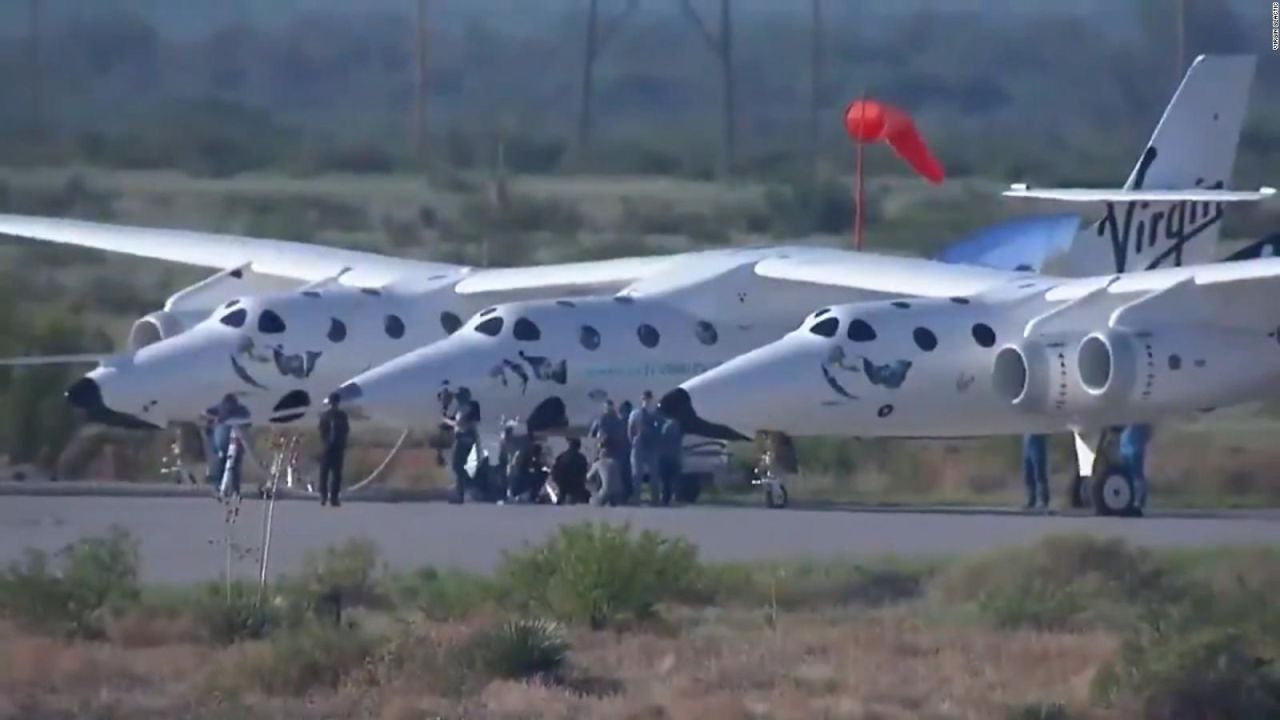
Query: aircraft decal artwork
{"points": [[244, 374], [540, 368], [296, 365], [889, 375]]}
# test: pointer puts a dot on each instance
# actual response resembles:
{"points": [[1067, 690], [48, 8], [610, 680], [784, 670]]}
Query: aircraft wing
{"points": [[1241, 294], [570, 278], [281, 258], [886, 274]]}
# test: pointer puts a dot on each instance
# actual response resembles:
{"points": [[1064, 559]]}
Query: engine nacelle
{"points": [[1176, 369], [1040, 376], [160, 325], [1122, 373]]}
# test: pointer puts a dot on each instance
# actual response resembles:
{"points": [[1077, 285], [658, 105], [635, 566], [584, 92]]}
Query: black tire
{"points": [[775, 495], [1113, 495], [1079, 494]]}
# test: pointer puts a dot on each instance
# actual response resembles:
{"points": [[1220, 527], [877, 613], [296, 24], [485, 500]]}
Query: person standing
{"points": [[335, 429], [609, 430], [228, 444], [645, 435], [625, 408], [465, 423], [671, 457], [1133, 457], [1035, 469], [569, 472]]}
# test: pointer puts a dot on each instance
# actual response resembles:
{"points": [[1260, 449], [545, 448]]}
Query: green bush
{"points": [[295, 661], [794, 586], [440, 594], [1062, 582], [1202, 674], [599, 573], [348, 572], [94, 578], [223, 622], [513, 650]]}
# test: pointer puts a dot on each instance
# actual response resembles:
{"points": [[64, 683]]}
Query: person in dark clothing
{"points": [[670, 457], [465, 423], [569, 472], [528, 474], [334, 431]]}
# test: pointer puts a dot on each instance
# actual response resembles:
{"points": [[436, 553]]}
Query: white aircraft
{"points": [[1035, 356], [550, 363]]}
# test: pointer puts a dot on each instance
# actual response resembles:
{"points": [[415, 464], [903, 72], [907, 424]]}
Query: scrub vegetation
{"points": [[1072, 627]]}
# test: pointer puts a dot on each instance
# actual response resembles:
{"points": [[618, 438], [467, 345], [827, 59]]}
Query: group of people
{"points": [[634, 447], [226, 426], [1132, 443]]}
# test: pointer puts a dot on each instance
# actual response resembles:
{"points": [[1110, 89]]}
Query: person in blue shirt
{"points": [[1035, 469], [1133, 458], [646, 447]]}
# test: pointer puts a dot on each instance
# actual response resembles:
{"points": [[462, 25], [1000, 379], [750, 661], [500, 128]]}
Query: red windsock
{"points": [[869, 121]]}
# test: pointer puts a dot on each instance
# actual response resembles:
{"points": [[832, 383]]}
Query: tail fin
{"points": [[1193, 148]]}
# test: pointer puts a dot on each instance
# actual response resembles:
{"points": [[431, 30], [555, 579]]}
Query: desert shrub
{"points": [[1062, 582], [1201, 674], [347, 572], [294, 661], [439, 594], [513, 650], [93, 578], [1040, 710], [223, 621], [598, 573]]}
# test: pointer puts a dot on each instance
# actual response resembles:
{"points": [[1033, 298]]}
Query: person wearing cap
{"points": [[334, 431]]}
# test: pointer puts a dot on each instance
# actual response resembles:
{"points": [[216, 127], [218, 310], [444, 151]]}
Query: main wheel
{"points": [[775, 495], [1113, 494]]}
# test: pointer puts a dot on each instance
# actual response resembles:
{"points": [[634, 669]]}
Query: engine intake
{"points": [[151, 329]]}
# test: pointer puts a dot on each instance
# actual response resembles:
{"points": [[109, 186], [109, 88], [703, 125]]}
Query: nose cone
{"points": [[404, 392], [678, 405], [86, 395], [752, 392]]}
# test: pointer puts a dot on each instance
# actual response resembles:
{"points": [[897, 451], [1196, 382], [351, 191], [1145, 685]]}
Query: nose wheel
{"points": [[775, 494]]}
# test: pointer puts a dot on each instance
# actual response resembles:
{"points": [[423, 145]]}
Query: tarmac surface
{"points": [[182, 534]]}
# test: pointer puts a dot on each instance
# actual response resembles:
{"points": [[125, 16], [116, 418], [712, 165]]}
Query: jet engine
{"points": [[1134, 371]]}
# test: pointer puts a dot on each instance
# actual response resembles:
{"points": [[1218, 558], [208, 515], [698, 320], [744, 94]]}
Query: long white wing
{"points": [[270, 257], [883, 273]]}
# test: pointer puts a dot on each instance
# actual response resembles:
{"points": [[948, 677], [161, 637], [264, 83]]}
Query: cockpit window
{"points": [[490, 327], [706, 333], [450, 322], [648, 335], [235, 318], [525, 330], [589, 337], [861, 331], [231, 303], [394, 326], [270, 323], [826, 328], [821, 312]]}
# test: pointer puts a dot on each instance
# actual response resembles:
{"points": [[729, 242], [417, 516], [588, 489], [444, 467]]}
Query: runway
{"points": [[181, 536]]}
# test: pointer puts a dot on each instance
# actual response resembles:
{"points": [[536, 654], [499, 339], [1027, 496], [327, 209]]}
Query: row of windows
{"points": [[860, 330], [270, 323], [525, 330]]}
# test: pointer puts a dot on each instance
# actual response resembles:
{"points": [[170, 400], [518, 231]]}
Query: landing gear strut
{"points": [[777, 459], [1102, 483]]}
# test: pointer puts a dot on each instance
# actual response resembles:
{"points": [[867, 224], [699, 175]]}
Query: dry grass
{"points": [[712, 666]]}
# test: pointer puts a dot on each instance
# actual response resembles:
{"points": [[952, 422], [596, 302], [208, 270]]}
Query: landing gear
{"points": [[778, 452], [1113, 494], [1101, 483], [775, 493]]}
